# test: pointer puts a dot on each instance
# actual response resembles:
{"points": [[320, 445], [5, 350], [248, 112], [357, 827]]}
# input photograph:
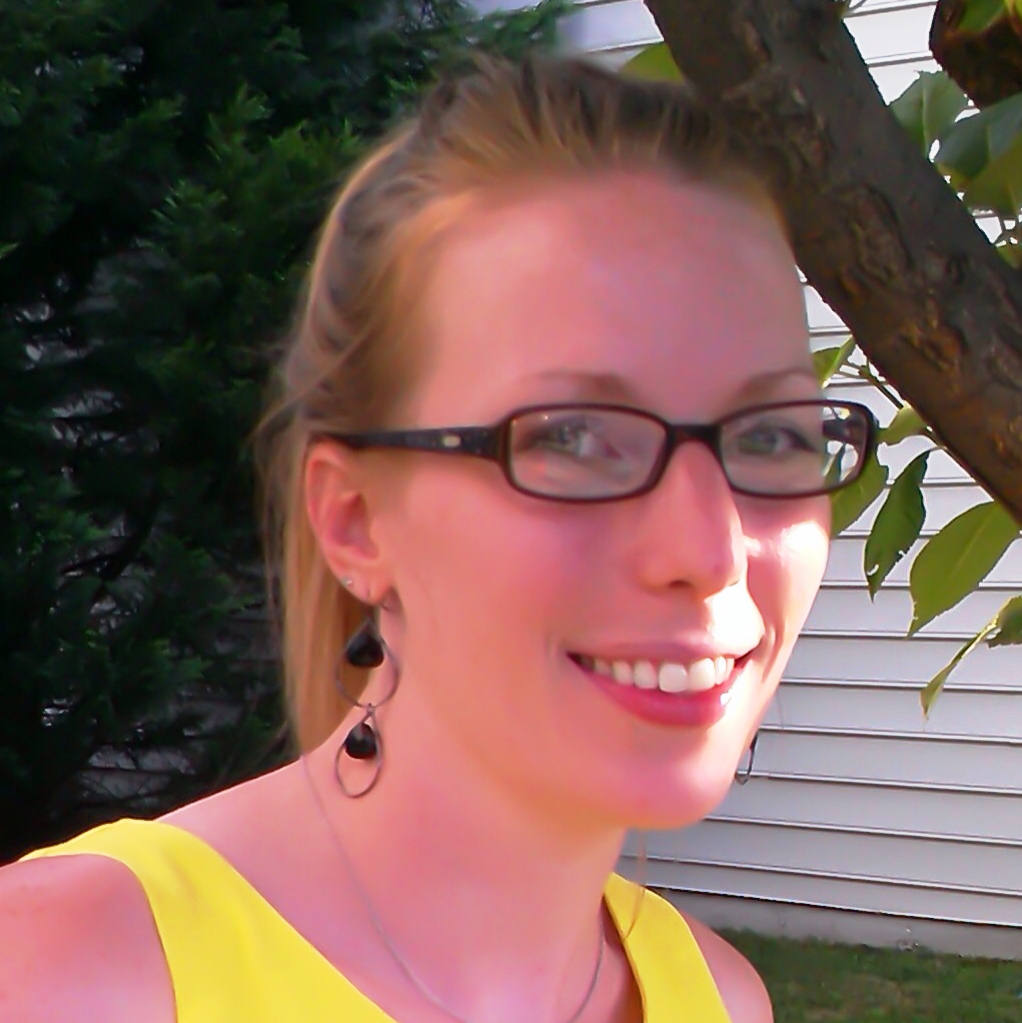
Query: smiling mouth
{"points": [[698, 676]]}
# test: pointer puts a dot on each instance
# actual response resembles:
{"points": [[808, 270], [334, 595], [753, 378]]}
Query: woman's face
{"points": [[630, 289]]}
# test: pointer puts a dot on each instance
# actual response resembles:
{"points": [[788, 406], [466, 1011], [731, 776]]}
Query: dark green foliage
{"points": [[163, 165]]}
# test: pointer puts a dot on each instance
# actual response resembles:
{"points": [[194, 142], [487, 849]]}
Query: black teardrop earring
{"points": [[365, 647], [361, 742]]}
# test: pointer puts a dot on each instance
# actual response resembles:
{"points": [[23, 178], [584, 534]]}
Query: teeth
{"points": [[645, 675], [702, 675], [697, 677], [674, 678]]}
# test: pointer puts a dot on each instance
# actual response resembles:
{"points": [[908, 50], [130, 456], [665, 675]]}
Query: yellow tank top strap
{"points": [[675, 983], [232, 956]]}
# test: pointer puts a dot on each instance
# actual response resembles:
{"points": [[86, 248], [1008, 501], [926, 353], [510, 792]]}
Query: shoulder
{"points": [[741, 987], [78, 943]]}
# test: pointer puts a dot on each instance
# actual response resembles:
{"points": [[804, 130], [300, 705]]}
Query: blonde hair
{"points": [[342, 370]]}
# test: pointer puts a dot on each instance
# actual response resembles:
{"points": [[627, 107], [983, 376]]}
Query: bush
{"points": [[164, 164]]}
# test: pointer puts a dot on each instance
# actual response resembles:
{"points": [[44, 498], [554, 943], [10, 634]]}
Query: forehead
{"points": [[683, 292]]}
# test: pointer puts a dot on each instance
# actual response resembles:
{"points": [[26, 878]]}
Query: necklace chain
{"points": [[395, 955]]}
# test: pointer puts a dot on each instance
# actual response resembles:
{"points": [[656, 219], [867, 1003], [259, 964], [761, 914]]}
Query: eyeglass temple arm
{"points": [[482, 441]]}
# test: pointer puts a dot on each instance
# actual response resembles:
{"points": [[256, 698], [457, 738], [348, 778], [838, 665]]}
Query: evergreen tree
{"points": [[163, 164]]}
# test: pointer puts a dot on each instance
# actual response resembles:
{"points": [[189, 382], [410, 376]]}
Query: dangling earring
{"points": [[742, 776], [364, 649]]}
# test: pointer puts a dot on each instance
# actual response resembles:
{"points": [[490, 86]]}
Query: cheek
{"points": [[788, 556], [489, 581], [467, 542]]}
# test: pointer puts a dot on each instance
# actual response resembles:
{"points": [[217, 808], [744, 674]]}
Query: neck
{"points": [[492, 899]]}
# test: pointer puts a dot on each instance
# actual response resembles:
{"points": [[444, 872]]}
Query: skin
{"points": [[511, 776]]}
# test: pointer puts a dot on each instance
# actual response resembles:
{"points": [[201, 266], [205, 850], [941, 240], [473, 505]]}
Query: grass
{"points": [[813, 982]]}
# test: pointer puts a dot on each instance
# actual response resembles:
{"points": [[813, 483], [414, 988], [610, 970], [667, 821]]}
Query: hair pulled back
{"points": [[350, 356]]}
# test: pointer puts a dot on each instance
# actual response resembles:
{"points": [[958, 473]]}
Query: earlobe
{"points": [[338, 510]]}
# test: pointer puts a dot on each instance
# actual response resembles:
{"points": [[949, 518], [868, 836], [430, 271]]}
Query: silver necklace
{"points": [[389, 945]]}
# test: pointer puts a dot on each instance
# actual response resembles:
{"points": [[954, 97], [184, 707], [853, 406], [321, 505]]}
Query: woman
{"points": [[573, 610]]}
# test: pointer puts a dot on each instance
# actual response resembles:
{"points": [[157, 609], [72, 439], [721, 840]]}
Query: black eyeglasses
{"points": [[590, 453]]}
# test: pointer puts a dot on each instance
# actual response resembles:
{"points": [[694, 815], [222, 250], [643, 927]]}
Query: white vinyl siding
{"points": [[864, 821]]}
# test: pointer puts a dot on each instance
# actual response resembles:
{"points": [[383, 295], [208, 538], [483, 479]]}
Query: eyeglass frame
{"points": [[492, 443]]}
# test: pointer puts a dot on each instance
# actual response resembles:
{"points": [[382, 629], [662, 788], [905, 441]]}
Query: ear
{"points": [[340, 515]]}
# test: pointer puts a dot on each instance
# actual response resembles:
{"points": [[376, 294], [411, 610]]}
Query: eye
{"points": [[776, 438], [577, 437]]}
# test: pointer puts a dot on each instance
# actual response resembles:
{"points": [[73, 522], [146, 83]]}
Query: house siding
{"points": [[864, 821]]}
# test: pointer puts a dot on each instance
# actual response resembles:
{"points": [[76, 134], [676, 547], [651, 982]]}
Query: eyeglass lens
{"points": [[591, 453]]}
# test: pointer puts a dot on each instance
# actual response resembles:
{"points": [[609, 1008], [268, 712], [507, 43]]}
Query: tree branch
{"points": [[876, 230], [987, 66]]}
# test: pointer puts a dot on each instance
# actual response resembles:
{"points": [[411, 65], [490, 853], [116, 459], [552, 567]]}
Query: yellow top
{"points": [[232, 956]]}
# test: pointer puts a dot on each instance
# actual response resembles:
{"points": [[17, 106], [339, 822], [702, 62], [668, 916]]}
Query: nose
{"points": [[691, 531]]}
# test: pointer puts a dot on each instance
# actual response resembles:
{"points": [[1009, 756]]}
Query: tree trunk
{"points": [[876, 230]]}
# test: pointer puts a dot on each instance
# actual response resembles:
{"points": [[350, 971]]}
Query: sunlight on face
{"points": [[626, 288]]}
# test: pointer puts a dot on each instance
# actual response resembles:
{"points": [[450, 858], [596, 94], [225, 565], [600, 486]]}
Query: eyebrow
{"points": [[615, 387], [766, 382], [601, 385]]}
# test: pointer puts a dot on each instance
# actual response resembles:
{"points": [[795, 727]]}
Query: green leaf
{"points": [[654, 61], [957, 559], [979, 15], [1006, 627], [906, 423], [7, 249], [897, 524], [971, 144], [828, 361], [850, 502], [964, 150], [929, 695], [928, 107], [1008, 624], [998, 186]]}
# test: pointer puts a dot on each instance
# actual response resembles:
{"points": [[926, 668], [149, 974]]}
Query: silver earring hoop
{"points": [[743, 775], [363, 744]]}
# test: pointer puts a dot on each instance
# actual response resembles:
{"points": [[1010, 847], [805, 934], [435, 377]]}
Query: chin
{"points": [[688, 780], [681, 809], [676, 794]]}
